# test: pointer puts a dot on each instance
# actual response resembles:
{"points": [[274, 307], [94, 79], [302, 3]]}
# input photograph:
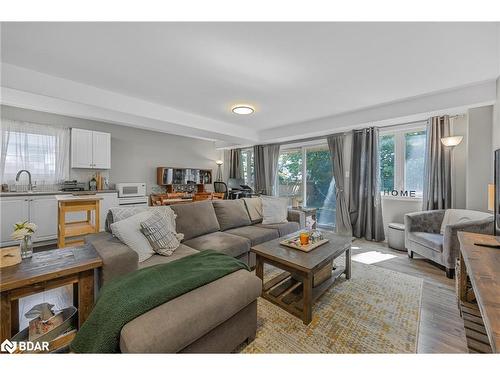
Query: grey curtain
{"points": [[235, 163], [336, 146], [266, 167], [365, 206], [437, 170]]}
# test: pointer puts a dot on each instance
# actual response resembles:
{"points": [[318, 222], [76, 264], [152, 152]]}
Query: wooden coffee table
{"points": [[312, 270]]}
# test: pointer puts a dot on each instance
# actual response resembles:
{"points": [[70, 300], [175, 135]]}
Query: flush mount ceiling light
{"points": [[452, 141], [243, 109]]}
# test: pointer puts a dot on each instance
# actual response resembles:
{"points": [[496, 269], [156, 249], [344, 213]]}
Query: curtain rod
{"points": [[382, 127]]}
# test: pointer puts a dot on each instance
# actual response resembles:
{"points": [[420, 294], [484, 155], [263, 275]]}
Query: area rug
{"points": [[376, 311]]}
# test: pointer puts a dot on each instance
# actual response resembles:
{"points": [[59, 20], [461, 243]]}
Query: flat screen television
{"points": [[497, 192]]}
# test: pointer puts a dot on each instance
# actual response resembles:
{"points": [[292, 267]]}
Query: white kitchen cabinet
{"points": [[101, 149], [43, 212], [13, 210], [90, 149]]}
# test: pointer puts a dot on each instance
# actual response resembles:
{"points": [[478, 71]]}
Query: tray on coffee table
{"points": [[294, 243]]}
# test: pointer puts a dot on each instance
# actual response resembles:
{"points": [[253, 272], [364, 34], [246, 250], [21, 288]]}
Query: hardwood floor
{"points": [[441, 328]]}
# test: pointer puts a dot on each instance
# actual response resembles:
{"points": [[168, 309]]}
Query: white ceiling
{"points": [[291, 72]]}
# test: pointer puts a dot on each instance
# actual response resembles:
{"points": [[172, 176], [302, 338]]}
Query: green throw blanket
{"points": [[130, 296]]}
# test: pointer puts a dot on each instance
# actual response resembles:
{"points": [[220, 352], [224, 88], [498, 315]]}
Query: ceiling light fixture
{"points": [[243, 109]]}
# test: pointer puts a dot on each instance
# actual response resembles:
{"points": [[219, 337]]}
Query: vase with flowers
{"points": [[23, 232]]}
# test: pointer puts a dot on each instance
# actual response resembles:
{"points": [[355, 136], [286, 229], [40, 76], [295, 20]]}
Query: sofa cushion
{"points": [[255, 234], [181, 252], [174, 325], [231, 213], [254, 208], [282, 228], [195, 219], [223, 242], [432, 241]]}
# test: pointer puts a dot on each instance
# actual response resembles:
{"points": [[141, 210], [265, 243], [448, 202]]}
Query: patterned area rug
{"points": [[377, 311]]}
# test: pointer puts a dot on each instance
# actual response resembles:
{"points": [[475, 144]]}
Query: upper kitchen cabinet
{"points": [[90, 149]]}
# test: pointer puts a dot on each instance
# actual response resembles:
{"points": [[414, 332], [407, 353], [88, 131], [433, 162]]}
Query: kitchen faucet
{"points": [[30, 186]]}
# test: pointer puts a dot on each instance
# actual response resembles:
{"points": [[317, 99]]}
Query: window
{"points": [[305, 175], [247, 166], [402, 158], [290, 175], [43, 150]]}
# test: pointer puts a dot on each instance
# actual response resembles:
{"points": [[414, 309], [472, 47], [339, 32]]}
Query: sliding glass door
{"points": [[305, 178], [320, 185]]}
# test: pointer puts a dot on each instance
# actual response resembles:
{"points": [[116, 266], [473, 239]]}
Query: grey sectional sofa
{"points": [[216, 317]]}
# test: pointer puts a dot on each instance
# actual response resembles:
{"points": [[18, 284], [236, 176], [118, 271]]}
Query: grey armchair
{"points": [[433, 234]]}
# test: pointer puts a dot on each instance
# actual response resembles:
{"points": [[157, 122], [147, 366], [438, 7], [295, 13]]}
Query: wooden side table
{"points": [[44, 271], [309, 212], [76, 203]]}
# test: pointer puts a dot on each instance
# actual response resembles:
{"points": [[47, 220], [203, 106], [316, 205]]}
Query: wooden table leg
{"points": [[14, 317], [85, 295], [307, 287], [259, 267], [348, 263], [5, 324], [462, 282]]}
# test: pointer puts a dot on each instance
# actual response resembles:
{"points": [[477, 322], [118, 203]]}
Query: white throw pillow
{"points": [[254, 208], [129, 232], [274, 210]]}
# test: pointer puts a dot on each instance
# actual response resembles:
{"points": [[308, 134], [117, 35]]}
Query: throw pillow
{"points": [[254, 207], [117, 214], [157, 231], [274, 210], [129, 232]]}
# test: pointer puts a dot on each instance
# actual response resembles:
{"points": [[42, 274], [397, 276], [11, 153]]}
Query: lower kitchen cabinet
{"points": [[42, 210]]}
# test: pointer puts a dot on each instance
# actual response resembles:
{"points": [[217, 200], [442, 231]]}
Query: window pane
{"points": [[414, 161], [247, 167], [386, 145], [290, 175], [320, 185]]}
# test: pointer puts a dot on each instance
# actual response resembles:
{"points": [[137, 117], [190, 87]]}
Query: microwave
{"points": [[131, 189]]}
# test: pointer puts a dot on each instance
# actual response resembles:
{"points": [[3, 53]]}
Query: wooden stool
{"points": [[80, 203]]}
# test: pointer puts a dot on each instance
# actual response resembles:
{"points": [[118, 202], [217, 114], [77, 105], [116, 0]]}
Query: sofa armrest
{"points": [[451, 245], [117, 258], [297, 216], [424, 221]]}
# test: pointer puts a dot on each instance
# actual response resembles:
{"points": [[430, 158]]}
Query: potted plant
{"points": [[23, 232]]}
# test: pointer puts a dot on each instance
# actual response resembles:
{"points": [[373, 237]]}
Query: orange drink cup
{"points": [[304, 238]]}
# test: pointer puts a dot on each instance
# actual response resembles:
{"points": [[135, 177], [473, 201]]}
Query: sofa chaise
{"points": [[217, 317]]}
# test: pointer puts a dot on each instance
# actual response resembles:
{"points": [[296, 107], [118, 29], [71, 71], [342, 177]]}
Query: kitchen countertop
{"points": [[39, 193]]}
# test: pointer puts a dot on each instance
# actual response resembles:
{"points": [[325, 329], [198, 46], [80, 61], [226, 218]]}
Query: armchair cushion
{"points": [[433, 241]]}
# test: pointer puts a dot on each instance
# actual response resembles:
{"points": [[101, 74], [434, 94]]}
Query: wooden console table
{"points": [[76, 203], [44, 271], [482, 266]]}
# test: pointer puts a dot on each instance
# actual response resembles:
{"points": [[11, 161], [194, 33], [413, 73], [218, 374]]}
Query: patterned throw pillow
{"points": [[157, 231]]}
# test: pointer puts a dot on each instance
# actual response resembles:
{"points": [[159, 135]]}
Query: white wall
{"points": [[479, 157], [135, 153]]}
